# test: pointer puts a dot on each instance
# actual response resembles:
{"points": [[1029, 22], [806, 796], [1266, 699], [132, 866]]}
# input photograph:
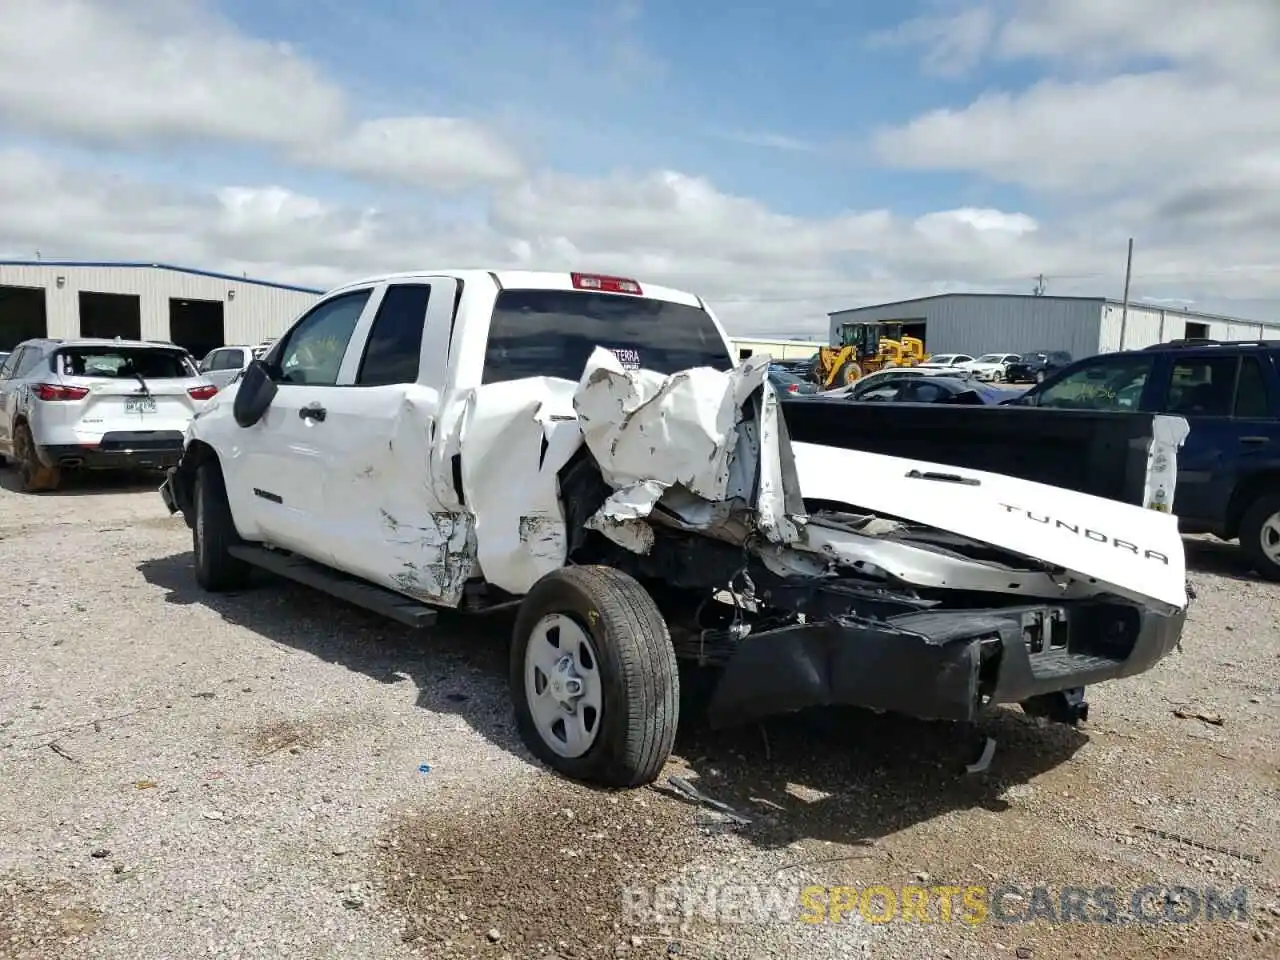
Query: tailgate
{"points": [[113, 404]]}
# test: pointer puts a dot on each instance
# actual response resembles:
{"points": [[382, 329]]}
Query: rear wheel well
{"points": [[1245, 493]]}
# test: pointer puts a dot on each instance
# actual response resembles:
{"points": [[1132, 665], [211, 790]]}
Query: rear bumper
{"points": [[117, 450], [940, 665]]}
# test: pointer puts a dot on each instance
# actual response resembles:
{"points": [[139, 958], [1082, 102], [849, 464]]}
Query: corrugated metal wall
{"points": [[1147, 325], [251, 311], [973, 324]]}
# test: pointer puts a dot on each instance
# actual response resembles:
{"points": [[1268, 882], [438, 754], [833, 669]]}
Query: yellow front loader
{"points": [[843, 365]]}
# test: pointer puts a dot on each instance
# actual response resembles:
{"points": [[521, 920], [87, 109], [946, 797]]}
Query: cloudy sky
{"points": [[783, 160]]}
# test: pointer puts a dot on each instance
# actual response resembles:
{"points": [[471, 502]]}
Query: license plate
{"points": [[139, 405]]}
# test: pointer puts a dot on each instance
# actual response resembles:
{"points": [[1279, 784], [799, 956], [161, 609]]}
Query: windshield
{"points": [[1032, 357], [122, 363], [991, 358], [551, 333]]}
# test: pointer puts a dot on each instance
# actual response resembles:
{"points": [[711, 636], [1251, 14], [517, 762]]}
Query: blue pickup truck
{"points": [[1229, 393]]}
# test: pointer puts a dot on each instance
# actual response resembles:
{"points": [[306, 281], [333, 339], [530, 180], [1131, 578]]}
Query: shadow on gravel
{"points": [[78, 483], [865, 775], [459, 666], [1219, 558], [845, 775]]}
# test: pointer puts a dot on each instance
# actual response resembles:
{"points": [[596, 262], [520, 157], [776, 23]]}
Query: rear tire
{"points": [[214, 532], [1260, 535], [34, 475], [593, 677]]}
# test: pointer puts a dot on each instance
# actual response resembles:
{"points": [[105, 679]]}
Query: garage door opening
{"points": [[111, 315], [196, 325], [22, 315]]}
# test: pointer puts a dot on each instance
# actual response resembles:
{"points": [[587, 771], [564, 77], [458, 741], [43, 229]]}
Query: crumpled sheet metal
{"points": [[650, 432], [510, 483]]}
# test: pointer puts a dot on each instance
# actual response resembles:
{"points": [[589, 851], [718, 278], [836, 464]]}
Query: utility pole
{"points": [[1124, 307], [1038, 290]]}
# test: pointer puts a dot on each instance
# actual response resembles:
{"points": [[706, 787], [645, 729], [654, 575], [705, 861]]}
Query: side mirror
{"points": [[254, 396]]}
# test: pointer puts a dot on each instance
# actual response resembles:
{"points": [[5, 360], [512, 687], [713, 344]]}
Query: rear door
{"points": [[1227, 401], [381, 518]]}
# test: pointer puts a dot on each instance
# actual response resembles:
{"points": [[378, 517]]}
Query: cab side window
{"points": [[28, 359], [1109, 383], [881, 391], [395, 339], [1202, 386], [11, 363], [1253, 399], [311, 353]]}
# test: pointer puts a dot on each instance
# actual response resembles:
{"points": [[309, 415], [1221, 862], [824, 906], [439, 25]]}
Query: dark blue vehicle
{"points": [[1229, 394]]}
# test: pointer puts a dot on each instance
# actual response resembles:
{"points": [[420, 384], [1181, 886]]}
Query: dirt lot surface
{"points": [[273, 774]]}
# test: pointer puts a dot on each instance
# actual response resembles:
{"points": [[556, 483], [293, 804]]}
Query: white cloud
{"points": [[764, 271], [1196, 88], [1154, 121], [143, 73], [442, 152], [1182, 156], [953, 42], [154, 70]]}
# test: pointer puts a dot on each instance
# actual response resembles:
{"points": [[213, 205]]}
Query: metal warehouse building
{"points": [[976, 323], [195, 309]]}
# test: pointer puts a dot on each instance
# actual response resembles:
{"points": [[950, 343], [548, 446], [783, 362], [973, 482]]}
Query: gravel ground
{"points": [[274, 774]]}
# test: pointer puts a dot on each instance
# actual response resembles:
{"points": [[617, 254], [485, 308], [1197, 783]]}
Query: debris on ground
{"points": [[984, 760], [1210, 718]]}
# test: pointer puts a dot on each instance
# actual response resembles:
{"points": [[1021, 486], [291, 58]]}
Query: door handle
{"points": [[312, 411], [1255, 439]]}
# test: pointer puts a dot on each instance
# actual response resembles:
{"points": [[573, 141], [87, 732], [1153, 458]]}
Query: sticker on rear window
{"points": [[629, 358]]}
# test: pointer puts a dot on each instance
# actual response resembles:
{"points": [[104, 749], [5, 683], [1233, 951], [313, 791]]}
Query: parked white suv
{"points": [[100, 404]]}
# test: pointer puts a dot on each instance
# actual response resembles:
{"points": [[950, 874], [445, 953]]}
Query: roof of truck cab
{"points": [[526, 280]]}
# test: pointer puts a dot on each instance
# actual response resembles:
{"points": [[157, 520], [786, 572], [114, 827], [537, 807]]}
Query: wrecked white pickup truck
{"points": [[585, 447]]}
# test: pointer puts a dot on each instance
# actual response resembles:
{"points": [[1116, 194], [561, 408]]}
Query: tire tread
{"points": [[634, 628]]}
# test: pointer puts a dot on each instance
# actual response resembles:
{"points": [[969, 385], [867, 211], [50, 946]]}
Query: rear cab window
{"points": [[552, 333], [122, 363]]}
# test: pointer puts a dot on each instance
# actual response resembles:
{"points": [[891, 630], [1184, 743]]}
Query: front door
{"points": [[280, 463], [382, 521]]}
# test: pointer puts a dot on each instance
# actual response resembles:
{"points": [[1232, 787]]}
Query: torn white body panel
{"points": [[682, 440], [515, 437], [684, 433], [1137, 551]]}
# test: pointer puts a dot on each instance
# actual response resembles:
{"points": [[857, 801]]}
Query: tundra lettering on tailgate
{"points": [[1096, 536]]}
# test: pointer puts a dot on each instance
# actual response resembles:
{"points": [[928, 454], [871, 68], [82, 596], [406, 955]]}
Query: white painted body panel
{"points": [[1090, 537], [377, 495]]}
